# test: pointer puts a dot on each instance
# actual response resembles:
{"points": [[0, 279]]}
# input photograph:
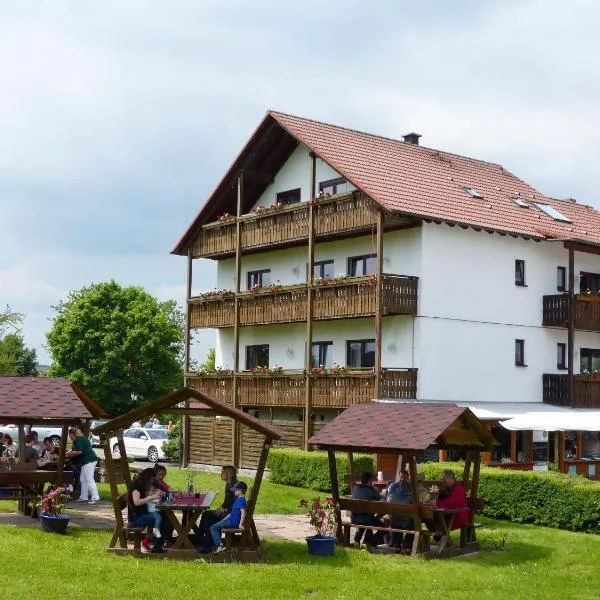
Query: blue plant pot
{"points": [[321, 545], [52, 524]]}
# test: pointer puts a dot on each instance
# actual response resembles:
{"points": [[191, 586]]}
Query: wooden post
{"points": [[412, 471], [571, 329], [123, 458], [60, 467], [335, 494], [513, 446], [467, 469], [250, 530], [21, 445], [378, 306], [476, 471], [114, 493], [351, 463], [309, 302], [235, 426], [183, 438], [443, 455], [579, 448], [560, 458]]}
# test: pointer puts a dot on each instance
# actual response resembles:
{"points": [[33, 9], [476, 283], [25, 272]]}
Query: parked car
{"points": [[94, 439], [53, 433], [143, 443]]}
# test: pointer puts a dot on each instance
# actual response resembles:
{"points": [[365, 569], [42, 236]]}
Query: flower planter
{"points": [[321, 545], [54, 524]]}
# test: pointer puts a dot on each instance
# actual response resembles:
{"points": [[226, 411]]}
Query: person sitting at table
{"points": [[453, 495], [160, 472], [140, 496], [400, 492], [39, 446], [210, 517], [10, 448], [31, 454], [365, 491], [234, 519], [49, 457], [1, 444]]}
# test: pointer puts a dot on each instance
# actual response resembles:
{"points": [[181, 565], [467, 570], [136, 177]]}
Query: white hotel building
{"points": [[435, 278]]}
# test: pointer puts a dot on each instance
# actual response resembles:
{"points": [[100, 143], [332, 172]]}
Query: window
{"points": [[589, 360], [289, 196], [334, 186], [519, 272], [552, 212], [257, 356], [259, 278], [322, 355], [360, 353], [589, 282], [520, 203], [561, 279], [561, 356], [323, 268], [520, 353], [473, 193], [362, 265]]}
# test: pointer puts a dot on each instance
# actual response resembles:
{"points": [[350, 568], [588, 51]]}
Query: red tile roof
{"points": [[421, 181], [52, 398], [380, 426]]}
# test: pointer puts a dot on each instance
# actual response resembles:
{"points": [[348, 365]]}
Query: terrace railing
{"points": [[587, 311], [586, 391]]}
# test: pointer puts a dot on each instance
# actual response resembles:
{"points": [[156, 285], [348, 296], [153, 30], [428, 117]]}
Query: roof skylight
{"points": [[552, 212], [520, 203], [473, 192]]}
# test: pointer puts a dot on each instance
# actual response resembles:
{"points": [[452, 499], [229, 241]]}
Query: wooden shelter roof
{"points": [[204, 405], [403, 427], [52, 400]]}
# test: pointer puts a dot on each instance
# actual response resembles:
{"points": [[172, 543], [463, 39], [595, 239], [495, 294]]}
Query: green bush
{"points": [[171, 446], [311, 469], [550, 499]]}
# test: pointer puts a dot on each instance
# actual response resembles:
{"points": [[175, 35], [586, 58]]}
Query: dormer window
{"points": [[552, 212], [473, 192]]}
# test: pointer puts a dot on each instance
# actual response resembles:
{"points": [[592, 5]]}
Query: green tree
{"points": [[119, 343], [208, 366], [15, 358]]}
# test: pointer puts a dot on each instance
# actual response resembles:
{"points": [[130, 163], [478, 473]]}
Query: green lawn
{"points": [[535, 563]]}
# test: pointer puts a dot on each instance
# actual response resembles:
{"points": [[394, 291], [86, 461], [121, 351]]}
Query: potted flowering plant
{"points": [[51, 506], [321, 516]]}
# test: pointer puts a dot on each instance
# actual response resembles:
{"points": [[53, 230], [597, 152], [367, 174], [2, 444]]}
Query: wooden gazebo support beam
{"points": [[335, 495]]}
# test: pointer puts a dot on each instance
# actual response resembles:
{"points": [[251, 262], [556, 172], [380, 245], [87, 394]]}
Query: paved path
{"points": [[101, 516]]}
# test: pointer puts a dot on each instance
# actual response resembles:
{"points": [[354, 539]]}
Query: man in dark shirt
{"points": [[365, 491]]}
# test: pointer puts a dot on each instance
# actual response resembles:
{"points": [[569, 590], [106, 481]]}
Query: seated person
{"points": [[210, 517], [453, 495], [400, 492], [48, 459], [10, 449], [365, 491], [159, 478], [31, 454], [39, 446], [234, 519]]}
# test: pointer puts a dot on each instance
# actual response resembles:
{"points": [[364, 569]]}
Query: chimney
{"points": [[411, 138]]}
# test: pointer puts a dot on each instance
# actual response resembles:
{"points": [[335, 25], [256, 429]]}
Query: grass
{"points": [[536, 563]]}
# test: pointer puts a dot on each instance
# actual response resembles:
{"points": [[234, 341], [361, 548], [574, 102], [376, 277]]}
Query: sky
{"points": [[118, 118]]}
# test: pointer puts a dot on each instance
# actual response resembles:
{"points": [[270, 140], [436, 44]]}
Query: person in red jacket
{"points": [[453, 495]]}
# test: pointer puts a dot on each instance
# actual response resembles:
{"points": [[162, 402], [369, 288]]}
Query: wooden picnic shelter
{"points": [[40, 402], [243, 545], [406, 430]]}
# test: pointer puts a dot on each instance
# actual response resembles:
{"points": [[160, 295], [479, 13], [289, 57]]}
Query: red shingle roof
{"points": [[420, 181], [379, 426], [52, 398]]}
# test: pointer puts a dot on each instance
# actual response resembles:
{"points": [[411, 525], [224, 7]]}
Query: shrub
{"points": [[549, 499], [311, 469], [171, 446]]}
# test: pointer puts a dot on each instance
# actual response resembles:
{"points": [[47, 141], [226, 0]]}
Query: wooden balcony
{"points": [[587, 311], [289, 388], [349, 298], [586, 391], [337, 216]]}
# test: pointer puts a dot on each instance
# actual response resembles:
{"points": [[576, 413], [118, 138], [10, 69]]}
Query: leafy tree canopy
{"points": [[15, 358], [119, 343]]}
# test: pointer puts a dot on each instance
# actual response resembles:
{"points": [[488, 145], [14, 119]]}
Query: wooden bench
{"points": [[137, 534]]}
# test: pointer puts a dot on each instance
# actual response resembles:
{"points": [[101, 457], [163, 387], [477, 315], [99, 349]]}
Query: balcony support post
{"points": [[309, 299], [235, 431], [183, 438], [378, 307], [570, 333]]}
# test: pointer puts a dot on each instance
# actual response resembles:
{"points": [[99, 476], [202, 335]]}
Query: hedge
{"points": [[311, 469], [549, 499]]}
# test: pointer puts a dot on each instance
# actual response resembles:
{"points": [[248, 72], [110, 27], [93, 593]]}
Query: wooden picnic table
{"points": [[191, 506], [444, 519]]}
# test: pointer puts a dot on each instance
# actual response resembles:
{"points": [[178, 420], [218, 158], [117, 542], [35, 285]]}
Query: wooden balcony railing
{"points": [[288, 225], [289, 388], [586, 391], [348, 298], [587, 311]]}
